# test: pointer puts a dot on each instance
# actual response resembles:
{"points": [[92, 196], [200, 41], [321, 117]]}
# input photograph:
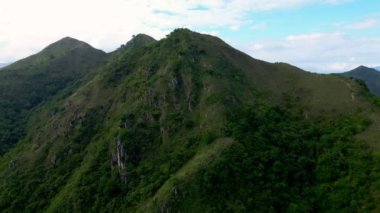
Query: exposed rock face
{"points": [[12, 164], [118, 159], [53, 159]]}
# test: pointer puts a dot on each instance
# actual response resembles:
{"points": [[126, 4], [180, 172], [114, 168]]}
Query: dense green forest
{"points": [[189, 124], [58, 69]]}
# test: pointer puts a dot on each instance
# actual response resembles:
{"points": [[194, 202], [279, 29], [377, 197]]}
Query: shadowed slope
{"points": [[30, 81]]}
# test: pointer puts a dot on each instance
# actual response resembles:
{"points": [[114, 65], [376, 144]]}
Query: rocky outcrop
{"points": [[118, 159]]}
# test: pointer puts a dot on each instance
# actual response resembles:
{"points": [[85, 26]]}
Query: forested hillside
{"points": [[61, 66], [190, 124]]}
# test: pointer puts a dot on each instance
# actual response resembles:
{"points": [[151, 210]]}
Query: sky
{"points": [[317, 35]]}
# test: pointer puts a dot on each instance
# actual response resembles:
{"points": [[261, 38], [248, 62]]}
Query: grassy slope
{"points": [[166, 103], [59, 68]]}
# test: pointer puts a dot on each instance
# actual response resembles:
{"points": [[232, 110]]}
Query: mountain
{"points": [[58, 69], [138, 41], [370, 76], [189, 124], [377, 68]]}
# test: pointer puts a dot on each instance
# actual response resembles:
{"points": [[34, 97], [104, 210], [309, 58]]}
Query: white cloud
{"points": [[319, 52], [213, 33], [363, 24], [27, 26], [259, 26], [304, 37], [257, 47]]}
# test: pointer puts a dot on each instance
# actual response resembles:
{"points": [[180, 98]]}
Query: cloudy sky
{"points": [[316, 35]]}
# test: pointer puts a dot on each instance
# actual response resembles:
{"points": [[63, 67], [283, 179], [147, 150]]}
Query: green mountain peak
{"points": [[370, 76], [68, 40], [362, 67], [138, 41], [60, 67], [65, 45]]}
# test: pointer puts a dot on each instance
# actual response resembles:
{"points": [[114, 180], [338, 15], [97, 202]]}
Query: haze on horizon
{"points": [[316, 35]]}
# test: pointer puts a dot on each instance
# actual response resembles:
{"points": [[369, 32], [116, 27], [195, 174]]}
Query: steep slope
{"points": [[190, 124], [370, 76], [28, 82]]}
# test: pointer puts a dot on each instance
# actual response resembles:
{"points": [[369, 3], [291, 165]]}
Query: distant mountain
{"points": [[138, 41], [370, 76], [377, 68], [62, 66], [3, 65]]}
